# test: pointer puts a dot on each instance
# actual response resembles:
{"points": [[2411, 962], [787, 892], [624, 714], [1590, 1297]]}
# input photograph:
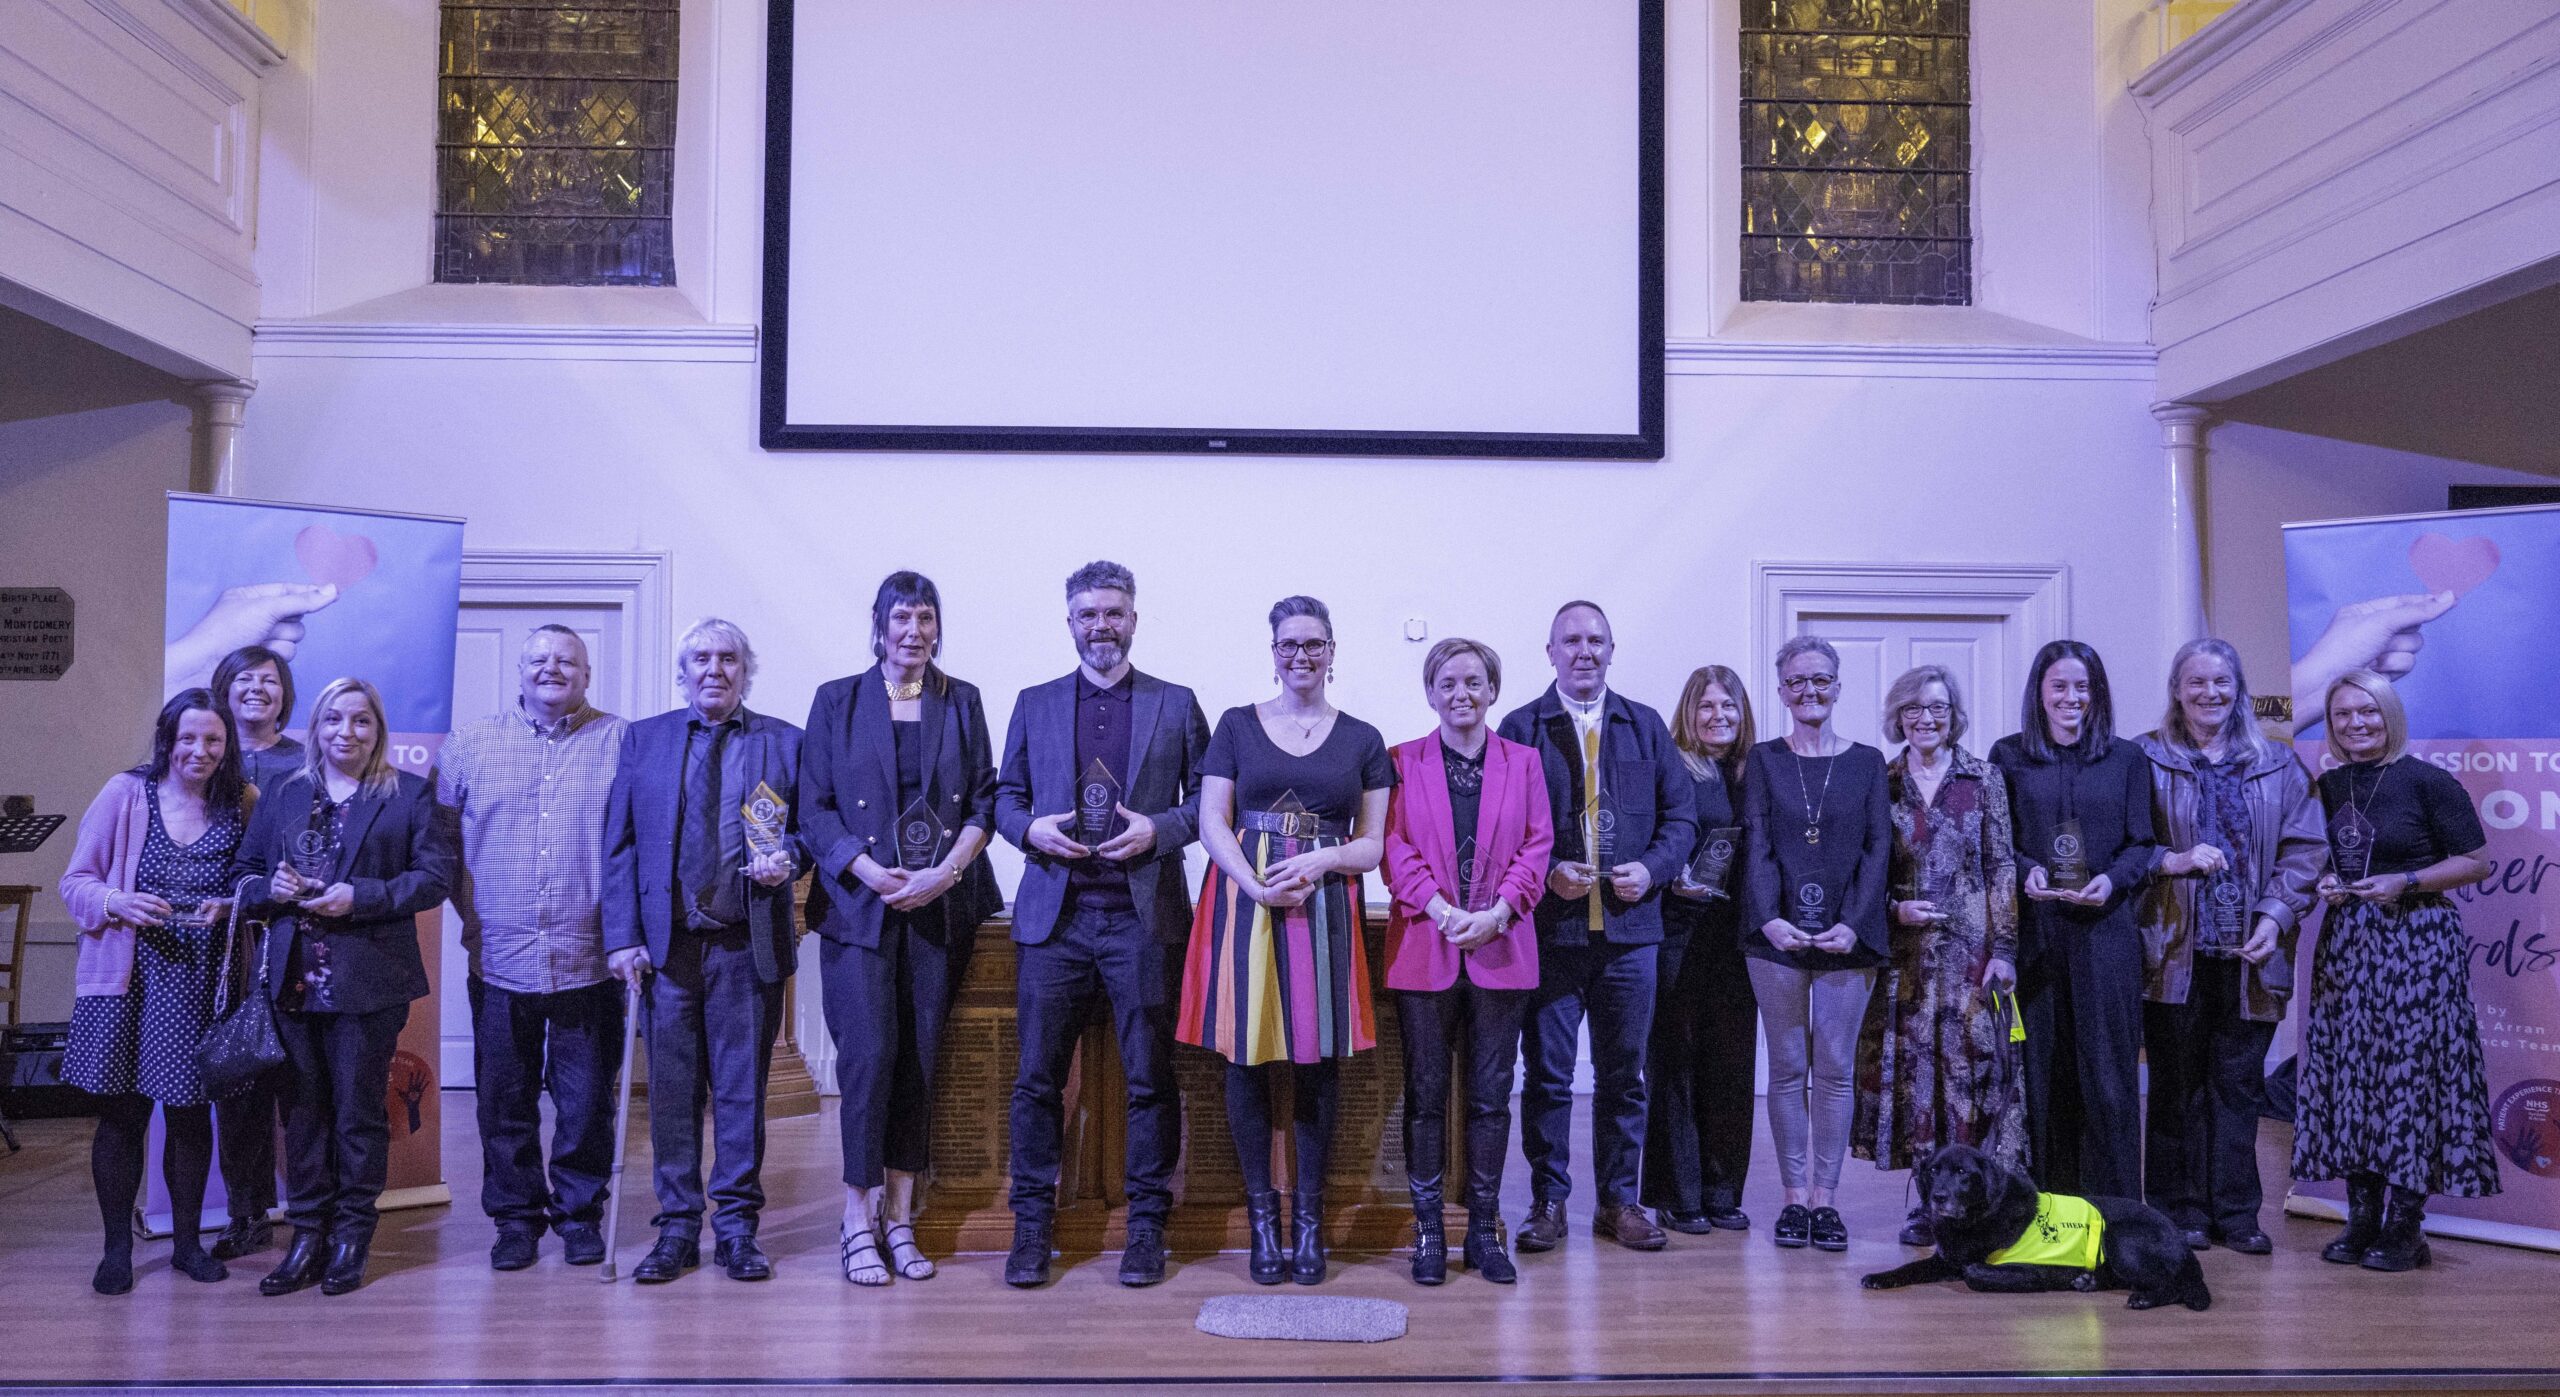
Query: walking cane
{"points": [[621, 1131]]}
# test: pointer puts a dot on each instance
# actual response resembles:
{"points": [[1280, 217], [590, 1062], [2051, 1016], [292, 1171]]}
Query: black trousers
{"points": [[568, 1042], [711, 1024], [1432, 1024], [885, 1009], [1698, 1073], [245, 1143], [2082, 1001], [1315, 1101], [2208, 1081], [337, 1122], [1614, 985], [1095, 956]]}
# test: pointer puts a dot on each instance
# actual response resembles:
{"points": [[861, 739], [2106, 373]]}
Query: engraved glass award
{"points": [[921, 834], [1604, 833], [1473, 893], [1812, 908], [1291, 823], [314, 855], [2351, 844], [2227, 903], [2068, 869], [1098, 798], [766, 819], [1711, 867]]}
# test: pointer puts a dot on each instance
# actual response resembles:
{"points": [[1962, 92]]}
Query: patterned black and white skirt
{"points": [[2393, 1081]]}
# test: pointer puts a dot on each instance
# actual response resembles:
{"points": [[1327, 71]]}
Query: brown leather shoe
{"points": [[1631, 1226], [1543, 1228]]}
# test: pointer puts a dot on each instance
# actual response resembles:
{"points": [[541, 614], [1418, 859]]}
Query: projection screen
{"points": [[1380, 227]]}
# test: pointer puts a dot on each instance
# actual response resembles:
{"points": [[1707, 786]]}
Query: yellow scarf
{"points": [[2066, 1231]]}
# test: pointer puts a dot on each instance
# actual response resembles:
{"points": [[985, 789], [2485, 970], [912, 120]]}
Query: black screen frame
{"points": [[776, 432]]}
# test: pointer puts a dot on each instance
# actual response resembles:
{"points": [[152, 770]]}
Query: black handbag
{"points": [[243, 1044]]}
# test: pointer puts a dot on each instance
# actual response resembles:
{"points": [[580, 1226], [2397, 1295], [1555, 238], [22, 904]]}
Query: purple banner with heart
{"points": [[2459, 611], [337, 593]]}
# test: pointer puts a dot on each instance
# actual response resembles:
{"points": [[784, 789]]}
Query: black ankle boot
{"points": [[1306, 1238], [1430, 1237], [2402, 1245], [2364, 1221], [301, 1267], [346, 1265], [1485, 1253], [1265, 1264]]}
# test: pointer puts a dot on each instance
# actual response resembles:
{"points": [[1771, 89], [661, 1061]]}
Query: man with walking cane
{"points": [[701, 845]]}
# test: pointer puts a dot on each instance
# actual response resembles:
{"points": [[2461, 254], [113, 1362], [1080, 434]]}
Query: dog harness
{"points": [[2066, 1231]]}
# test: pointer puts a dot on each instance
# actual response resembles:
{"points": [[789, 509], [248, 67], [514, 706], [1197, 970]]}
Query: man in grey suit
{"points": [[700, 849], [1100, 788]]}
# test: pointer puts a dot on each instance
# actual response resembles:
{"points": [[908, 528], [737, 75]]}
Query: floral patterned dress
{"points": [[1935, 1064]]}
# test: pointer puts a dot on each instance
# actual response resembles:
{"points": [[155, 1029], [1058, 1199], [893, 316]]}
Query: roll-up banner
{"points": [[2462, 609], [339, 593]]}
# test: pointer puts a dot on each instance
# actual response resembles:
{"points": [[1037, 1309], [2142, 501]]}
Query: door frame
{"points": [[2031, 601]]}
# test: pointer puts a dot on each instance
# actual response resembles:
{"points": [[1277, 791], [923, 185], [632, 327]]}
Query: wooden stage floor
{"points": [[1722, 1313]]}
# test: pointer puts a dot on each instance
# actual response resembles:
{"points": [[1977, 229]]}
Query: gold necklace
{"points": [[902, 693]]}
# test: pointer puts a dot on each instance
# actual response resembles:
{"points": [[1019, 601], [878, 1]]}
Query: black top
{"points": [[1328, 781], [1717, 809], [267, 768], [1102, 734], [905, 732], [2111, 798], [1844, 797], [2420, 814], [1466, 791]]}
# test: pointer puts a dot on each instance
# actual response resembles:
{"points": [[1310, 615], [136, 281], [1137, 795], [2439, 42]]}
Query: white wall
{"points": [[88, 442]]}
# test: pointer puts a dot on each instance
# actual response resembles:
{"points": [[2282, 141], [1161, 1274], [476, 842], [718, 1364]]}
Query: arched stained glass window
{"points": [[555, 143], [1857, 151]]}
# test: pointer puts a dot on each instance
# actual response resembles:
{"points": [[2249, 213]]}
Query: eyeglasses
{"points": [[1292, 649], [1091, 619], [1815, 683], [1938, 711]]}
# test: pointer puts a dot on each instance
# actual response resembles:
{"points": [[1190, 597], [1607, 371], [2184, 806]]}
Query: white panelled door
{"points": [[485, 646], [1876, 649]]}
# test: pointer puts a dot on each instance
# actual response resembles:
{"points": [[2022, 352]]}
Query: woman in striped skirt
{"points": [[1293, 802]]}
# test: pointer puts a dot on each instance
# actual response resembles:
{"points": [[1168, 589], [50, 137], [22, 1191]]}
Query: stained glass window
{"points": [[555, 143], [1856, 152]]}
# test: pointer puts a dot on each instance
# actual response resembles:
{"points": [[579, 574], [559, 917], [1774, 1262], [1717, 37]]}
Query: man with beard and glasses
{"points": [[1100, 788]]}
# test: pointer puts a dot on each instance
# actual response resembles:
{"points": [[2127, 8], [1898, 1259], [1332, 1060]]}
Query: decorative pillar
{"points": [[221, 405], [2182, 431]]}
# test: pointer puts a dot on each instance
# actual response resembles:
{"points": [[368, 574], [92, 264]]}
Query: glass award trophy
{"points": [[2227, 903], [1812, 908], [2351, 845], [921, 835], [1292, 824], [1604, 834], [766, 819], [1098, 798], [2068, 869], [1473, 894], [1710, 869], [313, 857]]}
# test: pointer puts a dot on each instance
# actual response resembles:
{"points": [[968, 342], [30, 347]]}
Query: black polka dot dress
{"points": [[144, 1040]]}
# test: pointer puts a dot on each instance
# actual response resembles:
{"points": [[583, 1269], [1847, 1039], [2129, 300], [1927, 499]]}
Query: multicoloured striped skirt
{"points": [[1277, 984]]}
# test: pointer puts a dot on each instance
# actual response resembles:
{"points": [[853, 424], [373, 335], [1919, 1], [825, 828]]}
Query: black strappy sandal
{"points": [[850, 1253], [912, 1263]]}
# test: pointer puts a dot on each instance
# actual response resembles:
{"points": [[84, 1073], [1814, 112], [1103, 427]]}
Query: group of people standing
{"points": [[1945, 948]]}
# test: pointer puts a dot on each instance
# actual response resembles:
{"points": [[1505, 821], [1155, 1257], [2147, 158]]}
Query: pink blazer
{"points": [[103, 860], [1515, 832]]}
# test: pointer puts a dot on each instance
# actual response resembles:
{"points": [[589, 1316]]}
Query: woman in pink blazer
{"points": [[1468, 834]]}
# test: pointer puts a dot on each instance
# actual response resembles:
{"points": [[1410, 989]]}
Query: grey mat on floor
{"points": [[1331, 1318]]}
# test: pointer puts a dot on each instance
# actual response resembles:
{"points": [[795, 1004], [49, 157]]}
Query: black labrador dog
{"points": [[1982, 1207]]}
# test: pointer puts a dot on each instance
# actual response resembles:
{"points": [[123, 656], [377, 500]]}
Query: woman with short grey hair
{"points": [[1935, 1063]]}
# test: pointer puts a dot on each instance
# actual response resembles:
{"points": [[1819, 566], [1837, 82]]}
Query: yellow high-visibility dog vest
{"points": [[2066, 1231]]}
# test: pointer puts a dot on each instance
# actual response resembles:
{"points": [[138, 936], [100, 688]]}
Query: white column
{"points": [[2182, 429], [221, 406]]}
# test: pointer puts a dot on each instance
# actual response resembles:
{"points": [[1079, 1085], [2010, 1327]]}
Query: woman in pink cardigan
{"points": [[1467, 840], [145, 886]]}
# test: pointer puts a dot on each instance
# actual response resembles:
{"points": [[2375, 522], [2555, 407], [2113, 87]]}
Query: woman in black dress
{"points": [[1293, 810], [1705, 1045], [1818, 842], [148, 878], [2080, 808], [349, 851], [2395, 1096]]}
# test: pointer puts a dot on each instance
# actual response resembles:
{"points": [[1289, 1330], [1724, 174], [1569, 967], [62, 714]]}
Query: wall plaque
{"points": [[35, 632]]}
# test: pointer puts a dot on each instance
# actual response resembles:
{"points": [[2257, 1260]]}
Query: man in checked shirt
{"points": [[528, 787]]}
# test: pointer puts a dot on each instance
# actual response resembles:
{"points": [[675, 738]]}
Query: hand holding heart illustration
{"points": [[2453, 565], [333, 559]]}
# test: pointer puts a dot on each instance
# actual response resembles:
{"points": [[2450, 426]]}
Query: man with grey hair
{"points": [[1100, 788], [701, 845], [527, 790]]}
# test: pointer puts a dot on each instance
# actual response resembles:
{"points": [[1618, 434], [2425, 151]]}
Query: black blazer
{"points": [[1649, 787], [640, 818], [1167, 736], [849, 801], [2110, 796], [399, 859]]}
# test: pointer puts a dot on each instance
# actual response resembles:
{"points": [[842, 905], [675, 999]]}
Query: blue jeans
{"points": [[1614, 986], [711, 1025]]}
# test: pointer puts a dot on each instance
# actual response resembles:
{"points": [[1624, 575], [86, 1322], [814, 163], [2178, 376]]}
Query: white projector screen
{"points": [[1386, 227]]}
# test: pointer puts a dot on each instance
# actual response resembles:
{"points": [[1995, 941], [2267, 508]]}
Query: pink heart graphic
{"points": [[342, 560], [2452, 565]]}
